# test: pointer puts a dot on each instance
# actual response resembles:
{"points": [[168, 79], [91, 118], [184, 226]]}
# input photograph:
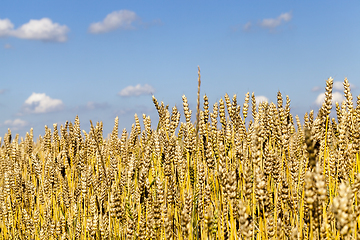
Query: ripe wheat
{"points": [[268, 178]]}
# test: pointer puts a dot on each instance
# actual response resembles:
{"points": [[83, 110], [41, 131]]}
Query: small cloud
{"points": [[136, 90], [272, 23], [43, 29], [132, 110], [260, 99], [94, 105], [2, 91], [336, 97], [268, 23], [41, 103], [7, 46], [125, 111], [152, 23], [122, 19], [15, 124], [91, 106], [247, 26], [316, 89]]}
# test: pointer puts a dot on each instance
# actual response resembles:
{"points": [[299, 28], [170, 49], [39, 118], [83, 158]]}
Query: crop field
{"points": [[239, 171]]}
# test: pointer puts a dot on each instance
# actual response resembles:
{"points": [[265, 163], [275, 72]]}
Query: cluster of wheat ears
{"points": [[269, 178]]}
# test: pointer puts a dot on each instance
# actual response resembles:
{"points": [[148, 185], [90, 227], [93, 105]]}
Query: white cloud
{"points": [[338, 86], [43, 29], [41, 103], [316, 88], [16, 123], [336, 97], [320, 99], [272, 23], [6, 27], [136, 90], [247, 26], [260, 99], [149, 24], [122, 19], [94, 105], [139, 109], [7, 46]]}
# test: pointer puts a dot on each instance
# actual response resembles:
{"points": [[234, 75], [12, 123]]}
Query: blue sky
{"points": [[102, 59]]}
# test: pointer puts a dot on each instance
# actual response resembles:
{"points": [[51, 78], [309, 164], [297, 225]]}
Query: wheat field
{"points": [[228, 175]]}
